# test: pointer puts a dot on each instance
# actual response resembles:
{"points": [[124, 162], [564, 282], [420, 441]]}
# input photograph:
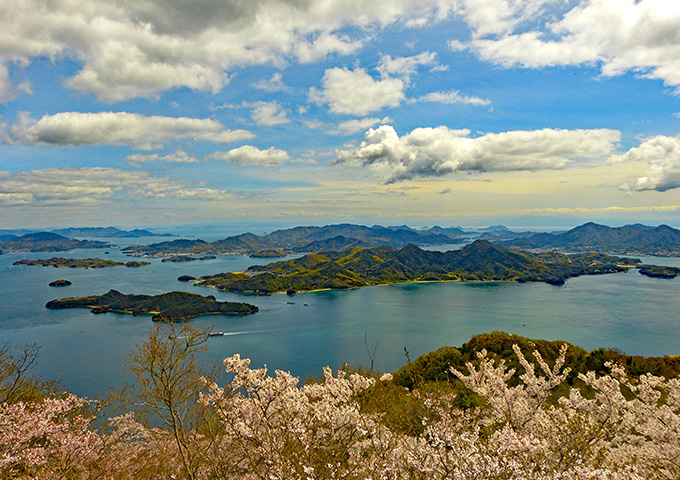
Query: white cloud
{"points": [[662, 155], [451, 97], [118, 128], [624, 35], [269, 114], [8, 91], [139, 49], [404, 67], [355, 92], [351, 127], [274, 84], [248, 155], [179, 156], [73, 185], [433, 152]]}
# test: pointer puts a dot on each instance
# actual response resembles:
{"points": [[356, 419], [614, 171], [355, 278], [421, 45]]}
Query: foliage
{"points": [[259, 426], [59, 262], [359, 267], [170, 306]]}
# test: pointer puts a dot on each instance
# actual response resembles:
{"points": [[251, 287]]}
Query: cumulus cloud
{"points": [[662, 155], [626, 35], [9, 91], [355, 92], [453, 96], [434, 152], [269, 114], [118, 128], [73, 185], [139, 49], [351, 127], [274, 84], [404, 67], [248, 155], [179, 156]]}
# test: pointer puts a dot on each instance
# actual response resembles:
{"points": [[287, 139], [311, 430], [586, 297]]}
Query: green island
{"points": [[268, 253], [59, 283], [168, 307], [187, 258], [45, 242], [478, 261], [59, 262], [657, 271]]}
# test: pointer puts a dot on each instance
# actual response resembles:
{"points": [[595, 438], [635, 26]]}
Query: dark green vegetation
{"points": [[45, 242], [186, 278], [107, 232], [268, 253], [656, 271], [60, 262], [187, 258], [435, 366], [60, 283], [629, 240], [481, 260], [169, 307], [303, 239]]}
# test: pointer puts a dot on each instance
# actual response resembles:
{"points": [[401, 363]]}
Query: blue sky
{"points": [[454, 112]]}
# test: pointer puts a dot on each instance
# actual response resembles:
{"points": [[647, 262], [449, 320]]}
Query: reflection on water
{"points": [[628, 311]]}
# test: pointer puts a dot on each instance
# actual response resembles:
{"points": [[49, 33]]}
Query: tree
{"points": [[169, 379]]}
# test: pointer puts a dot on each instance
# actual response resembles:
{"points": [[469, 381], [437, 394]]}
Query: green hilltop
{"points": [[481, 260]]}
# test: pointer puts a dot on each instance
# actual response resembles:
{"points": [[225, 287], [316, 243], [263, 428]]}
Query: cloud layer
{"points": [[71, 185], [434, 152], [118, 128]]}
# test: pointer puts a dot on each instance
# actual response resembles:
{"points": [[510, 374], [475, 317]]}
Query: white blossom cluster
{"points": [[268, 427]]}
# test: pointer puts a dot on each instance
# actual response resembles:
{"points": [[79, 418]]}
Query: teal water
{"points": [[636, 314]]}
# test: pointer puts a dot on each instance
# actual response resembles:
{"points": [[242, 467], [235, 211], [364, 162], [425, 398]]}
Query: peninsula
{"points": [[478, 261], [45, 242], [59, 262], [302, 240], [168, 307], [187, 258]]}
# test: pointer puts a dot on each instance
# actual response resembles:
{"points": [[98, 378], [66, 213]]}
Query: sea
{"points": [[370, 326]]}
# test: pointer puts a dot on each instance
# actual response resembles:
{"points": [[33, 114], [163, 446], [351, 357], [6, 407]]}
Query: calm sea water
{"points": [[86, 352]]}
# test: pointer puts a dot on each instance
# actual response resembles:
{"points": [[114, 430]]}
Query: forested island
{"points": [[479, 261], [187, 258], [633, 239], [59, 283], [658, 271], [169, 307], [303, 240], [45, 242], [59, 262]]}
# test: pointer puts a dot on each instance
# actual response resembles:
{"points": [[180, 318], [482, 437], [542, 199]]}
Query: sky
{"points": [[527, 113]]}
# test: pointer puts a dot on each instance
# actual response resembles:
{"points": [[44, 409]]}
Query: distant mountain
{"points": [[107, 232], [450, 231], [495, 228], [45, 242], [630, 239], [298, 240], [481, 260]]}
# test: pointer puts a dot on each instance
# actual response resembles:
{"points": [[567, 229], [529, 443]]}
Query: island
{"points": [[111, 232], [59, 283], [168, 307], [478, 261], [59, 262], [656, 271], [303, 239], [187, 258], [633, 239], [45, 242]]}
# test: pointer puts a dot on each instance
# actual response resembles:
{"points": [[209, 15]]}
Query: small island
{"points": [[478, 261], [656, 271], [168, 307], [59, 283], [268, 253], [59, 262], [187, 258]]}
